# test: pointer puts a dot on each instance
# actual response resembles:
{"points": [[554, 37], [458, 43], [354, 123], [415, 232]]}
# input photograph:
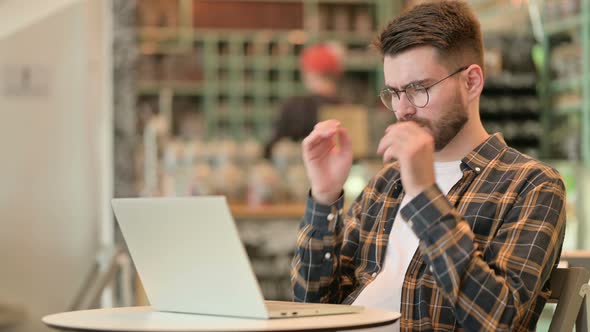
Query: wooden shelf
{"points": [[251, 68], [184, 88], [566, 84], [278, 211], [576, 109], [563, 24]]}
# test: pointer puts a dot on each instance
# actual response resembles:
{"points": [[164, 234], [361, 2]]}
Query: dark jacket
{"points": [[298, 115]]}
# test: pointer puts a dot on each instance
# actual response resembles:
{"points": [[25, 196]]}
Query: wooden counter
{"points": [[271, 211]]}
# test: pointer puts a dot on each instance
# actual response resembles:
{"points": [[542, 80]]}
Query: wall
{"points": [[54, 147]]}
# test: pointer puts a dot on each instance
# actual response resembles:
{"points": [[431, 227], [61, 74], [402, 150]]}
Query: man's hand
{"points": [[413, 147], [327, 155]]}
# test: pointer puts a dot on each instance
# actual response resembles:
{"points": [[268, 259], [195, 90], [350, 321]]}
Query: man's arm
{"points": [[492, 291], [323, 267]]}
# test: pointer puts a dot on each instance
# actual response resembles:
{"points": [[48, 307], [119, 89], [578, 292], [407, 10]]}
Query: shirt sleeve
{"points": [[491, 288], [322, 270]]}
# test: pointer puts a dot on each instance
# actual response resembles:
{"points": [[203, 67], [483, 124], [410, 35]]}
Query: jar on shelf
{"points": [[230, 180], [363, 23], [202, 179], [264, 184], [297, 183], [341, 18]]}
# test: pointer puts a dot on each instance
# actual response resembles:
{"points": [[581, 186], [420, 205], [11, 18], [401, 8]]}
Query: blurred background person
{"points": [[320, 66]]}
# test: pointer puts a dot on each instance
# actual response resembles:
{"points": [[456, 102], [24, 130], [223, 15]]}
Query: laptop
{"points": [[190, 259]]}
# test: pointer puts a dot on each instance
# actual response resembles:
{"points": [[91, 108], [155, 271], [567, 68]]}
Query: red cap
{"points": [[321, 59]]}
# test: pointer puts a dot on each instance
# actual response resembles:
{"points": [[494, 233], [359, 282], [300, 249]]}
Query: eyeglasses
{"points": [[416, 94]]}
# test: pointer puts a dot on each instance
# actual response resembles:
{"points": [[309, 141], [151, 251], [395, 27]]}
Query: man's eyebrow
{"points": [[417, 82]]}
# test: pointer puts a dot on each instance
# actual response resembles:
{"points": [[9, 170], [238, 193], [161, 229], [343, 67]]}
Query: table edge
{"points": [[344, 328]]}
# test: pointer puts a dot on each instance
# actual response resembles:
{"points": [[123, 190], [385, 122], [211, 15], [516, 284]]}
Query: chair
{"points": [[112, 266], [570, 290]]}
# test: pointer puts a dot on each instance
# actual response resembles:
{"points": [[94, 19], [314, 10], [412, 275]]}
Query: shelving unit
{"points": [[565, 84], [235, 72], [564, 88], [509, 103]]}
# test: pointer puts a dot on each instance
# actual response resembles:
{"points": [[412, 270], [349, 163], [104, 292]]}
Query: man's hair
{"points": [[449, 26]]}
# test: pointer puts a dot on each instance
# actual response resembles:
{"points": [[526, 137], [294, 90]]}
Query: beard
{"points": [[452, 120]]}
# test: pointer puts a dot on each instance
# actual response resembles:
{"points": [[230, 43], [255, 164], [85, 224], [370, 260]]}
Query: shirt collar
{"points": [[481, 156]]}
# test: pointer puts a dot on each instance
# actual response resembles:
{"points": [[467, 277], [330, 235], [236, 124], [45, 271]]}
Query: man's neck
{"points": [[472, 135]]}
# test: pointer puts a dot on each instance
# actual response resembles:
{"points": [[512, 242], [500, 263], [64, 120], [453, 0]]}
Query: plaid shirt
{"points": [[486, 249]]}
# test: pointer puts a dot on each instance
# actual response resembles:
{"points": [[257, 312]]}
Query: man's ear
{"points": [[474, 81]]}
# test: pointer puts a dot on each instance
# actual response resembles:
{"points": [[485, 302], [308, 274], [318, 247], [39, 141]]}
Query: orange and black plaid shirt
{"points": [[486, 249]]}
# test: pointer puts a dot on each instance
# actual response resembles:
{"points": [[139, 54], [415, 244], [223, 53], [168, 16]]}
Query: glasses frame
{"points": [[397, 93]]}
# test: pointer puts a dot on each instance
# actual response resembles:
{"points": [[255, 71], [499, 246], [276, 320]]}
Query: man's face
{"points": [[446, 112]]}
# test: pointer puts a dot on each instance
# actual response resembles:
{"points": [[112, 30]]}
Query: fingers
{"points": [[401, 138], [320, 150], [390, 153], [395, 135], [327, 124], [321, 139], [344, 139], [383, 144], [325, 145], [317, 137], [389, 128], [389, 147], [322, 129]]}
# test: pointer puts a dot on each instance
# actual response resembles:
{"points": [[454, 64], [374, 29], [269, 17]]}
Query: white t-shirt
{"points": [[385, 291]]}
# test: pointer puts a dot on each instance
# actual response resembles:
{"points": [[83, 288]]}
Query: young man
{"points": [[461, 231]]}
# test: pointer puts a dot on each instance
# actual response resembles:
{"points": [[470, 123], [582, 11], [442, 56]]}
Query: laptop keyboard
{"points": [[280, 305]]}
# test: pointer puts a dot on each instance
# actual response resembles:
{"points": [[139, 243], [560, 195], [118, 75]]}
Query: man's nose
{"points": [[406, 110]]}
